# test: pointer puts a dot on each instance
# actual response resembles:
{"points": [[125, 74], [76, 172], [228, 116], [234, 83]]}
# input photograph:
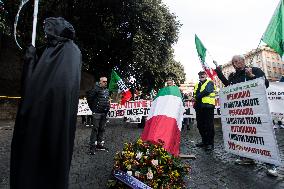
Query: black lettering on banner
{"points": [[129, 112], [111, 114], [188, 112], [218, 111], [242, 103], [134, 119], [246, 138], [244, 120], [135, 111], [272, 93], [140, 111], [146, 111]]}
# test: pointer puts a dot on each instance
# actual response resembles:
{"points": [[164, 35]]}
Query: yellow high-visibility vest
{"points": [[210, 99]]}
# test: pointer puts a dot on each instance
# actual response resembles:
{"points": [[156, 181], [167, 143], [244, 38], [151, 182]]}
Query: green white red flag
{"points": [[116, 84], [201, 51], [164, 121]]}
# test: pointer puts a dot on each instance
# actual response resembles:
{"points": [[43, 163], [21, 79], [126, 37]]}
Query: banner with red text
{"points": [[246, 122], [131, 110]]}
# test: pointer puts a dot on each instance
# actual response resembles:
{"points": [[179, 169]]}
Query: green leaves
{"points": [[133, 37]]}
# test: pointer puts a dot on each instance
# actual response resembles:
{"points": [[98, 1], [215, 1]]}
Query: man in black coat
{"points": [[242, 74], [44, 131], [99, 103]]}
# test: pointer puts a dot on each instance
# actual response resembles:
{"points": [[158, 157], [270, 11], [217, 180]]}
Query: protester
{"points": [[87, 119], [281, 79], [204, 104], [169, 82], [44, 131], [243, 73], [99, 103]]}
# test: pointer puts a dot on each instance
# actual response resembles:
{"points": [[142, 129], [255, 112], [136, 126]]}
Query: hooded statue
{"points": [[45, 125]]}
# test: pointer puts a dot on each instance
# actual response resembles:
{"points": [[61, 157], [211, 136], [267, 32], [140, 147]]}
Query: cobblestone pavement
{"points": [[210, 170]]}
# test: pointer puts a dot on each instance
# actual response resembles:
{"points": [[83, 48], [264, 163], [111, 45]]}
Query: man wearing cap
{"points": [[169, 82], [204, 98]]}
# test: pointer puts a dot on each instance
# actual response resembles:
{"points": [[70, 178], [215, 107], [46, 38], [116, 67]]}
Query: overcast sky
{"points": [[226, 28]]}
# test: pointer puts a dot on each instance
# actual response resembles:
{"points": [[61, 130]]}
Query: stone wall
{"points": [[8, 108]]}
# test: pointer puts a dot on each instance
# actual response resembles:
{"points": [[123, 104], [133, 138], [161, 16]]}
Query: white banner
{"points": [[83, 108], [134, 110], [190, 111], [275, 93], [246, 122]]}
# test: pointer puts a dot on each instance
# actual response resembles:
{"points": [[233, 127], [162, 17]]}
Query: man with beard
{"points": [[44, 132]]}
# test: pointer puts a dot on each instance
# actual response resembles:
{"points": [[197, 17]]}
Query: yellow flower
{"points": [[128, 167], [139, 141]]}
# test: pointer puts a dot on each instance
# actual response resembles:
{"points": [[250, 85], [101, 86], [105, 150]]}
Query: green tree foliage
{"points": [[3, 14], [135, 37]]}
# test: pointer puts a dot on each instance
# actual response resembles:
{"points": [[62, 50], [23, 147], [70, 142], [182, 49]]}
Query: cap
{"points": [[201, 72]]}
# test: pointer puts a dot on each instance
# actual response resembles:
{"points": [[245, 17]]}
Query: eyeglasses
{"points": [[104, 81]]}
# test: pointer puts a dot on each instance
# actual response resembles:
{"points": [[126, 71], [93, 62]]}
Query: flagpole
{"points": [[251, 59], [35, 22]]}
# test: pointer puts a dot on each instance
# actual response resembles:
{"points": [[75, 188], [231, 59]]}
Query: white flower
{"points": [[129, 173], [137, 173], [150, 174], [139, 155], [155, 162], [147, 152]]}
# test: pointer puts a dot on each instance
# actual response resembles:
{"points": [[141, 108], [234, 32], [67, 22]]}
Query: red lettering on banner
{"points": [[217, 103], [144, 103], [243, 129], [242, 94], [253, 150], [245, 111]]}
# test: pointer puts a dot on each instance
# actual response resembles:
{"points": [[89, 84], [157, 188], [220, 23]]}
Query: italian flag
{"points": [[164, 121], [117, 85]]}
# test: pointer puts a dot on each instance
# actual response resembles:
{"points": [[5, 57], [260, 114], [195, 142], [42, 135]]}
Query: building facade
{"points": [[265, 58], [268, 60], [187, 87]]}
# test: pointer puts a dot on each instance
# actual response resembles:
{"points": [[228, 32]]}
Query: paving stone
{"points": [[209, 170]]}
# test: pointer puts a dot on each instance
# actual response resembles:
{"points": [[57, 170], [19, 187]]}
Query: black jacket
{"points": [[240, 76], [98, 99], [199, 95]]}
